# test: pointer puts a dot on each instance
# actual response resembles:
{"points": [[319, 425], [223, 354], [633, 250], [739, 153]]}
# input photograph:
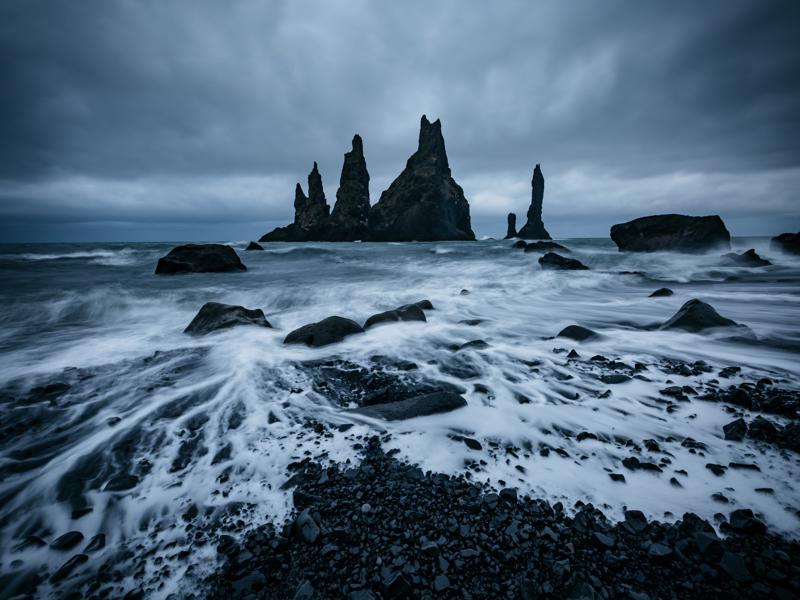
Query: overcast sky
{"points": [[189, 120]]}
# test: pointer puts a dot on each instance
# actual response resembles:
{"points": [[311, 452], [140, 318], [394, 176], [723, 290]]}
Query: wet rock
{"points": [[474, 345], [743, 522], [214, 316], [735, 430], [428, 404], [68, 567], [695, 316], [67, 541], [306, 528], [661, 293], [718, 470], [472, 444], [254, 246], [305, 591], [786, 242], [121, 483], [424, 304], [424, 203], [553, 261], [519, 244], [409, 312], [511, 232], [577, 333], [200, 258], [534, 227], [328, 331], [676, 233], [746, 259], [544, 247], [98, 542]]}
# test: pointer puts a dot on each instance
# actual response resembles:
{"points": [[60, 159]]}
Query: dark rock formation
{"points": [[786, 242], [735, 430], [554, 261], [199, 258], [544, 247], [511, 232], [519, 244], [696, 316], [349, 219], [661, 293], [213, 316], [311, 214], [745, 259], [577, 333], [677, 233], [409, 312], [328, 331], [429, 404], [424, 203], [254, 246], [534, 228]]}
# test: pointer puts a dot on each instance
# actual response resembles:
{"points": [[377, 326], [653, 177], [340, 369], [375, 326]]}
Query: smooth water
{"points": [[213, 422]]}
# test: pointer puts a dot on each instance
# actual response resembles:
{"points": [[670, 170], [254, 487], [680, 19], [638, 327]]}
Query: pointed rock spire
{"points": [[430, 152], [534, 228], [311, 212], [511, 232], [349, 220]]}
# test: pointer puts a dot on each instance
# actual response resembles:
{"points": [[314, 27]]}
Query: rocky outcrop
{"points": [[745, 259], [696, 316], [328, 331], [676, 233], [534, 228], [428, 404], [200, 258], [577, 333], [511, 232], [553, 261], [350, 218], [424, 203], [786, 242], [409, 312], [311, 214], [544, 247], [214, 316], [254, 246]]}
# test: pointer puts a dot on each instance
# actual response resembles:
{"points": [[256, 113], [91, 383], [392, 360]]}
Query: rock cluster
{"points": [[676, 233], [534, 227]]}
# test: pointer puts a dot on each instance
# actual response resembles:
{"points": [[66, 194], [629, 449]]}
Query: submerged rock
{"points": [[420, 406], [534, 227], [328, 331], [786, 242], [409, 312], [254, 246], [200, 258], [745, 259], [677, 233], [424, 203], [350, 217], [695, 316], [661, 293], [577, 333], [511, 232], [214, 315], [554, 261]]}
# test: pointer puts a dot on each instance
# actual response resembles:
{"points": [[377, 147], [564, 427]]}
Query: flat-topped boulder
{"points": [[424, 203], [674, 233], [409, 312], [200, 258], [750, 258], [534, 227], [214, 316], [556, 262], [328, 331], [420, 406], [786, 242], [696, 316]]}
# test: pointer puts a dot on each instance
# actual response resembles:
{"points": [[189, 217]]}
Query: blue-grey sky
{"points": [[187, 120]]}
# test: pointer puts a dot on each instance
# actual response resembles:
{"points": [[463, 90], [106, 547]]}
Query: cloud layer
{"points": [[188, 113]]}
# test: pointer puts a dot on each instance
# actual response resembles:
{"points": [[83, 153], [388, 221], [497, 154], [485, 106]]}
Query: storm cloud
{"points": [[192, 120]]}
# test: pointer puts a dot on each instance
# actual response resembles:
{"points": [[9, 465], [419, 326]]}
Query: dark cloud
{"points": [[201, 112]]}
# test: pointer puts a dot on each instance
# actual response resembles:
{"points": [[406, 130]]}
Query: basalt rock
{"points": [[534, 228], [511, 232], [214, 316], [311, 214], [661, 293], [696, 316], [254, 246], [350, 216], [745, 259], [328, 331], [409, 312], [200, 258], [553, 261], [676, 233], [786, 242], [544, 247], [428, 404], [424, 203]]}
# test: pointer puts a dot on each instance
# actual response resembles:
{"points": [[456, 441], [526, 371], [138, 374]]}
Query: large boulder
{"points": [[254, 246], [553, 261], [328, 331], [677, 233], [350, 217], [745, 259], [577, 333], [786, 242], [409, 312], [544, 247], [534, 227], [311, 214], [424, 203], [200, 258], [696, 316], [427, 404], [214, 316], [511, 232]]}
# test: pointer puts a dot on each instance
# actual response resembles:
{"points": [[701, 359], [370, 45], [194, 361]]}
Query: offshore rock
{"points": [[553, 261], [349, 220], [745, 259], [311, 214], [424, 203], [254, 246], [328, 331], [676, 233], [786, 242], [512, 226], [200, 258], [696, 316], [534, 228], [214, 316]]}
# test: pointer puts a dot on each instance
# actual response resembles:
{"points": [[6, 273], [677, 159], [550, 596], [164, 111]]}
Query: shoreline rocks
{"points": [[327, 331], [200, 258], [254, 246], [696, 316], [786, 242], [553, 261], [408, 312], [675, 233], [534, 227], [750, 258], [661, 293], [419, 406], [214, 316]]}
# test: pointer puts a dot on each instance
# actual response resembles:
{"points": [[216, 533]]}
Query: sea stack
{"points": [[311, 214], [512, 226], [349, 220], [424, 203], [534, 228]]}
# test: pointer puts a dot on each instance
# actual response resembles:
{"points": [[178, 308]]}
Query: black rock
{"points": [[742, 521], [735, 430], [428, 404], [635, 521], [745, 259], [306, 591], [67, 541], [306, 528], [661, 292], [554, 261], [311, 214], [214, 316], [424, 203], [577, 333], [200, 258], [424, 304], [541, 246], [519, 244], [786, 242], [534, 227], [98, 542], [696, 316], [120, 483], [68, 567], [409, 312], [350, 217], [328, 331], [254, 246], [511, 232], [677, 233]]}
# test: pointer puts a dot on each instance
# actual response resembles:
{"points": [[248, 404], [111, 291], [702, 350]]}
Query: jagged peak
{"points": [[358, 145], [430, 150]]}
